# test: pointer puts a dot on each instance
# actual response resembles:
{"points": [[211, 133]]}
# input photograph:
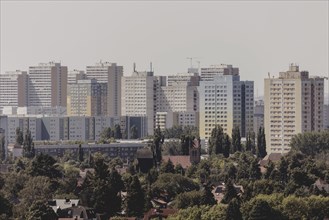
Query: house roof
{"points": [[62, 203], [184, 161], [274, 157]]}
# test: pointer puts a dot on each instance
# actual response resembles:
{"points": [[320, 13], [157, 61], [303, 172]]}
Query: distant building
{"points": [[111, 74], [87, 97], [13, 89], [258, 115], [139, 96], [208, 73], [74, 75], [47, 85], [170, 119], [326, 117], [228, 102], [293, 104]]}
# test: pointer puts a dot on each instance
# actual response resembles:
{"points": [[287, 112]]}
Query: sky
{"points": [[258, 37]]}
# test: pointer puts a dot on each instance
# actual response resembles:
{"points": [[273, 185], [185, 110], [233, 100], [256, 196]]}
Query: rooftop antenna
{"points": [[191, 60], [134, 67], [151, 66], [269, 75], [198, 61]]}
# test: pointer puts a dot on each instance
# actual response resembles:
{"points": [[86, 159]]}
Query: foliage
{"points": [[173, 184], [2, 148], [310, 143], [28, 145], [261, 143], [236, 140], [133, 132], [135, 197], [44, 165], [216, 141], [179, 131], [19, 136], [39, 210]]}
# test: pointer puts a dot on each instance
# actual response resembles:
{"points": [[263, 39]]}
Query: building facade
{"points": [[13, 89], [228, 102], [293, 104], [139, 96], [87, 97], [110, 73], [47, 85], [208, 73], [258, 115]]}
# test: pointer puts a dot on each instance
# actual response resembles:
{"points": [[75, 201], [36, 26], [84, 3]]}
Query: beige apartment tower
{"points": [[87, 98], [293, 103]]}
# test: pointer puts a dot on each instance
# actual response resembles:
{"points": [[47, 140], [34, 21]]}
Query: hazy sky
{"points": [[258, 37]]}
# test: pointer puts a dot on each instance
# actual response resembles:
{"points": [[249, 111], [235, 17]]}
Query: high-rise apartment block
{"points": [[87, 97], [13, 89], [47, 85], [139, 96], [111, 74], [208, 73], [228, 102], [293, 104], [74, 75]]}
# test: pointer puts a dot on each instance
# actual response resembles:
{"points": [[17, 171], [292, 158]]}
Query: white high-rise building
{"points": [[228, 102], [13, 89], [139, 96], [110, 73], [47, 85], [74, 75], [208, 73], [293, 104]]}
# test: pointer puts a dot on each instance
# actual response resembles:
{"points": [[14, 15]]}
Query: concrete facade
{"points": [[293, 104]]}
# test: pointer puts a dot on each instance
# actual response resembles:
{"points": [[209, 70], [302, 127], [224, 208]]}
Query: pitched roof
{"points": [[184, 161]]}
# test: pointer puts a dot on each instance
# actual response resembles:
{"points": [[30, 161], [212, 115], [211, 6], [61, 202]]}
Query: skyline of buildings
{"points": [[201, 97]]}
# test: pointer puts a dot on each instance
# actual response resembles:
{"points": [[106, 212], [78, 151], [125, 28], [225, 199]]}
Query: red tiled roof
{"points": [[184, 161]]}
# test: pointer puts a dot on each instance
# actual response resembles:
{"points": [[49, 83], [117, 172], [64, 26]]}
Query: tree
{"points": [[248, 142], [207, 197], [261, 143], [236, 140], [230, 192], [253, 142], [117, 132], [254, 170], [44, 165], [135, 197], [167, 167], [2, 148], [6, 207], [28, 145], [261, 210], [80, 153], [233, 210], [156, 146], [133, 132], [106, 134], [227, 146], [216, 141], [186, 143], [19, 136], [39, 210]]}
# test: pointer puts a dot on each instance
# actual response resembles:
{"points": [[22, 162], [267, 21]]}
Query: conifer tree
{"points": [[261, 143], [28, 145], [236, 140], [230, 192], [19, 136], [233, 210], [216, 141], [80, 153], [135, 200], [2, 148], [227, 146]]}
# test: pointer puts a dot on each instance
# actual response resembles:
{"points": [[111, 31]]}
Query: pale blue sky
{"points": [[258, 37]]}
